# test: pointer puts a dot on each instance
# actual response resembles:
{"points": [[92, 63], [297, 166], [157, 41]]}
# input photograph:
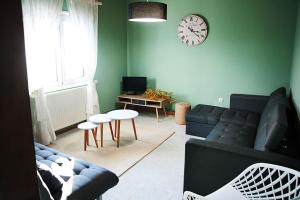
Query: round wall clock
{"points": [[192, 30]]}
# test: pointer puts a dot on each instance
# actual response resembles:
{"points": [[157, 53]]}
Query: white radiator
{"points": [[67, 107]]}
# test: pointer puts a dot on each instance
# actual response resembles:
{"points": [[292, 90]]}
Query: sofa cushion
{"points": [[205, 114], [272, 129], [233, 134], [83, 180], [240, 117]]}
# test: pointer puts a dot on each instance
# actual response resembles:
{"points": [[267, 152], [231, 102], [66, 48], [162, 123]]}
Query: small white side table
{"points": [[100, 119], [119, 115], [86, 126]]}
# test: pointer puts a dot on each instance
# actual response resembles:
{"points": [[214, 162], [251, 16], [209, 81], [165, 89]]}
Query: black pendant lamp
{"points": [[147, 12]]}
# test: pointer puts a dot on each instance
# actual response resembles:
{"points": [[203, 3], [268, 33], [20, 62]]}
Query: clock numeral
{"points": [[203, 29]]}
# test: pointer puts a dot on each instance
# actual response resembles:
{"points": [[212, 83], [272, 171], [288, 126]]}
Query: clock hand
{"points": [[193, 31], [196, 34]]}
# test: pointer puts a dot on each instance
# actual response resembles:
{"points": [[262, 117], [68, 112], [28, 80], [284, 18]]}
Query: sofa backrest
{"points": [[279, 92], [277, 97], [273, 125], [273, 122]]}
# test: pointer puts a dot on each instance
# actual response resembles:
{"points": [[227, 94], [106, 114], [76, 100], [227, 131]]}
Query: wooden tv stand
{"points": [[141, 100]]}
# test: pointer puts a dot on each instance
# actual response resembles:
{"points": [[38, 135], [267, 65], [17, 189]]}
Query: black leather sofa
{"points": [[254, 129], [63, 177]]}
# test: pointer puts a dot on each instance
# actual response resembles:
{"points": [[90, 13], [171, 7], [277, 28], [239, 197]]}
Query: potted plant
{"points": [[154, 94]]}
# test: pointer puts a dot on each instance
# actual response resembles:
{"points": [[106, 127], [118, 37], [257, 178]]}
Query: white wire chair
{"points": [[260, 181]]}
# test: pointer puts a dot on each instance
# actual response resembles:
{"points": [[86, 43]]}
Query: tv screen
{"points": [[134, 84]]}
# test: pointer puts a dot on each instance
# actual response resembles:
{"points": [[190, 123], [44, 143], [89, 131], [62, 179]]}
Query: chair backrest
{"points": [[266, 181], [260, 181]]}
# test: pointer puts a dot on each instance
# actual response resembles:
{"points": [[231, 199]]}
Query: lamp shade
{"points": [[147, 12]]}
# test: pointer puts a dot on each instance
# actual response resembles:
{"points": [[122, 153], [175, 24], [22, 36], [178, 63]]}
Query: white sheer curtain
{"points": [[41, 22], [85, 16]]}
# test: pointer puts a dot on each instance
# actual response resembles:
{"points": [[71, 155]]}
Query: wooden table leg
{"points": [[87, 138], [95, 136], [118, 137], [165, 111], [111, 131], [86, 132], [116, 127], [133, 124], [125, 106], [101, 134], [96, 131], [156, 113]]}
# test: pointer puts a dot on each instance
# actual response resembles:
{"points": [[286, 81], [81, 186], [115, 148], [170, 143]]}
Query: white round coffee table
{"points": [[100, 119], [88, 126], [119, 115]]}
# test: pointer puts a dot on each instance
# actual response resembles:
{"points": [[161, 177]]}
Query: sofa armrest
{"points": [[252, 103], [211, 165]]}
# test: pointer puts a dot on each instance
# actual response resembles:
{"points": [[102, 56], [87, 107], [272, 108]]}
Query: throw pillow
{"points": [[53, 181]]}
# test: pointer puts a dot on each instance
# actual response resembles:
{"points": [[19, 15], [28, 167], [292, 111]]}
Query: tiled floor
{"points": [[159, 176]]}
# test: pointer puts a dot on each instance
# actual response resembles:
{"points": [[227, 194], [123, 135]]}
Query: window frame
{"points": [[62, 82]]}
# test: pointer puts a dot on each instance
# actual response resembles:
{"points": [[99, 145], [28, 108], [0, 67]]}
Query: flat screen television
{"points": [[134, 84]]}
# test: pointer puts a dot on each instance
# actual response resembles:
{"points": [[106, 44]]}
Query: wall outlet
{"points": [[221, 100]]}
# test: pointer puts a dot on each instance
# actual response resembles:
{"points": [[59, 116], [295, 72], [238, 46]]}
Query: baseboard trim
{"points": [[68, 128]]}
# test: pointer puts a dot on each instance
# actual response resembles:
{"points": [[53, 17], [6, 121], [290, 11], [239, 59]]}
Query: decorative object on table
{"points": [[142, 100], [88, 126], [259, 181], [193, 30], [147, 12], [180, 110], [155, 94], [100, 119], [118, 116]]}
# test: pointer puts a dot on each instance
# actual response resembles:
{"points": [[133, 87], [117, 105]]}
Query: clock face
{"points": [[192, 30]]}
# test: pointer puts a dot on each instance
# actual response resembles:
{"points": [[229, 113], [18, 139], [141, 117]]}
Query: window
{"points": [[69, 71]]}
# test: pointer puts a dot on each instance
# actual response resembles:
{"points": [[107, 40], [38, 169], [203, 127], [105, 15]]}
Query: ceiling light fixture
{"points": [[147, 12]]}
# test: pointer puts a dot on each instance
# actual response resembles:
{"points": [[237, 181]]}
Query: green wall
{"points": [[249, 49], [112, 51], [295, 73]]}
